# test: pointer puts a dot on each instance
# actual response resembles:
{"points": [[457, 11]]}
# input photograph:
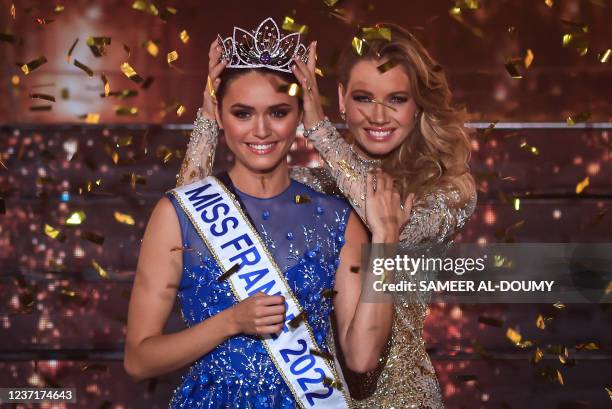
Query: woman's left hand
{"points": [[305, 73], [385, 213]]}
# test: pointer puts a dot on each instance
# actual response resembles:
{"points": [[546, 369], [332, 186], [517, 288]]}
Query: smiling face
{"points": [[259, 120], [380, 111]]}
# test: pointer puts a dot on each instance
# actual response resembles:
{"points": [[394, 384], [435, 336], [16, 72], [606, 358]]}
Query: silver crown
{"points": [[264, 48]]}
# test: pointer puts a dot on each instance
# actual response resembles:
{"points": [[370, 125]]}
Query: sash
{"points": [[232, 240]]}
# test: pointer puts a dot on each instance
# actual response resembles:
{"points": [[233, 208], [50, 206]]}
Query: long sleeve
{"points": [[435, 218], [346, 167], [202, 144]]}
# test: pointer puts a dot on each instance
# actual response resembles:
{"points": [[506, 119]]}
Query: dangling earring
{"points": [[343, 115]]}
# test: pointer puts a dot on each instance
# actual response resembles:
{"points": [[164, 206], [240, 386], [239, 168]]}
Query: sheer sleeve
{"points": [[202, 145], [347, 169], [436, 217]]}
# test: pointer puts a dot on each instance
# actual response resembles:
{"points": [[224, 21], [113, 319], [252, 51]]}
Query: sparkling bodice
{"points": [[304, 231]]}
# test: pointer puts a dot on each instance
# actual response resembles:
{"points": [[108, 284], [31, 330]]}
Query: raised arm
{"points": [[364, 324], [348, 169], [200, 154]]}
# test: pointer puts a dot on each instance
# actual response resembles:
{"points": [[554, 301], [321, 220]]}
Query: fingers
{"points": [[312, 57], [269, 329], [370, 188], [267, 300], [270, 320]]}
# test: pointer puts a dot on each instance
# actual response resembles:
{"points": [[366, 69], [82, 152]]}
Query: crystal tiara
{"points": [[263, 48]]}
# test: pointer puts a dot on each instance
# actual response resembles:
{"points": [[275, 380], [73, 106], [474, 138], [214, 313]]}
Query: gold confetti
{"points": [[34, 64], [58, 9], [229, 272], [289, 24], [301, 199], [469, 4], [319, 72], [331, 3], [549, 3], [512, 69], [125, 111], [537, 355], [295, 322], [92, 118], [516, 203], [577, 40], [578, 118], [146, 7], [54, 233], [93, 237], [382, 68], [76, 218], [151, 48], [321, 354], [540, 322], [527, 147], [83, 67], [42, 21], [357, 44], [528, 58], [559, 377], [588, 346], [72, 49], [493, 322], [293, 89], [97, 45], [376, 33], [333, 383], [559, 305], [172, 56], [124, 218], [41, 108], [15, 80], [106, 85], [101, 272], [184, 36], [605, 56], [582, 185], [180, 110], [13, 11], [329, 293], [513, 336], [455, 13], [43, 96], [129, 72], [125, 141], [375, 101]]}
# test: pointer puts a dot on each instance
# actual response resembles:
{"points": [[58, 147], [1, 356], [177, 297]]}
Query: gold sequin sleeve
{"points": [[201, 148], [345, 166]]}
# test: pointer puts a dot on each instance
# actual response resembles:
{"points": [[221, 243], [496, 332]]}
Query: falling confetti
{"points": [[172, 56], [53, 233], [32, 65], [578, 118], [582, 185], [289, 24], [129, 72], [184, 36], [82, 66], [76, 218], [124, 218], [101, 272]]}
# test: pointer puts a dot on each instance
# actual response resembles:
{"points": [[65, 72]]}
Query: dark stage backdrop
{"points": [[79, 177]]}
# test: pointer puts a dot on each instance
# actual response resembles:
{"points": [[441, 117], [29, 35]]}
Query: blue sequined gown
{"points": [[305, 240]]}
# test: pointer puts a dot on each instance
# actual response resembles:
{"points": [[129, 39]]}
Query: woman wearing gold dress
{"points": [[397, 106]]}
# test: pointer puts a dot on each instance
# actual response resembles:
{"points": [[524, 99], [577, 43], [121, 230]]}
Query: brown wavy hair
{"points": [[436, 153]]}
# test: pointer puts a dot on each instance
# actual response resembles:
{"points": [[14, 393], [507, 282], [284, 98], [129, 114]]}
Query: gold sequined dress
{"points": [[405, 378]]}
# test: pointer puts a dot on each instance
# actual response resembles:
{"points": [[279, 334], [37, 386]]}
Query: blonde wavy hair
{"points": [[436, 153]]}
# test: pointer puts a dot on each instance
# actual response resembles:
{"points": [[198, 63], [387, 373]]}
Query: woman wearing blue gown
{"points": [[314, 239]]}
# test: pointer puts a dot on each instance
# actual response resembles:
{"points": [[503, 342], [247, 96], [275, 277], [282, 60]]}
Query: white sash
{"points": [[231, 239]]}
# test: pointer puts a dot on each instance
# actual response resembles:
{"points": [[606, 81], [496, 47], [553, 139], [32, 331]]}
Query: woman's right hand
{"points": [[215, 67], [305, 73], [260, 314]]}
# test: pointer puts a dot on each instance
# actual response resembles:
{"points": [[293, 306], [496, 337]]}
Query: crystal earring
{"points": [[343, 115]]}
